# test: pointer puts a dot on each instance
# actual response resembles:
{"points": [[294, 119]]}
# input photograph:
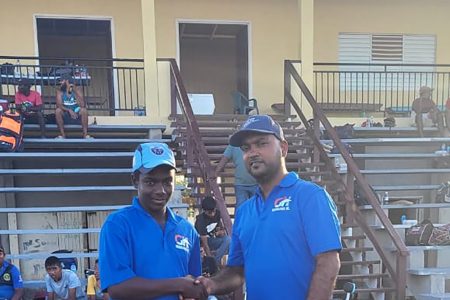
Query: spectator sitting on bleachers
{"points": [[423, 108], [209, 225], [94, 291], [29, 103], [70, 107], [11, 285], [61, 283]]}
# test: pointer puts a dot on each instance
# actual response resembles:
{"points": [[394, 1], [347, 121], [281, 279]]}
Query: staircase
{"points": [[359, 263]]}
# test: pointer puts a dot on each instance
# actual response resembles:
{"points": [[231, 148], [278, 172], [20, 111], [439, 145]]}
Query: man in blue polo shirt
{"points": [[11, 285], [286, 238], [146, 250]]}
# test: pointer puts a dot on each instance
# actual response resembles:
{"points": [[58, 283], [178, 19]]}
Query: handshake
{"points": [[191, 288]]}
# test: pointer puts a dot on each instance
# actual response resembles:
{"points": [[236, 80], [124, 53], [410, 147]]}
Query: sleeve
{"points": [[91, 286], [48, 284], [38, 99], [74, 281], [17, 278], [228, 152], [114, 258], [195, 263], [320, 223], [200, 225], [236, 255]]}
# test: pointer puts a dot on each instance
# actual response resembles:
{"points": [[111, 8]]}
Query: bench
{"points": [[79, 143], [383, 156], [42, 189], [405, 111], [422, 187], [393, 141], [142, 131], [67, 171], [353, 107], [405, 171]]}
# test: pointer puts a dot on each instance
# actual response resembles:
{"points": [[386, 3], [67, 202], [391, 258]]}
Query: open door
{"points": [[214, 61], [82, 42]]}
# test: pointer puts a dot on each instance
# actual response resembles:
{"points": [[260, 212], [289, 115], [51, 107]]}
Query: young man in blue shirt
{"points": [[286, 238], [146, 250], [11, 285]]}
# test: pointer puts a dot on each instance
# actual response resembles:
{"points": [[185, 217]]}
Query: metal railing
{"points": [[398, 273], [195, 148], [378, 87], [110, 86]]}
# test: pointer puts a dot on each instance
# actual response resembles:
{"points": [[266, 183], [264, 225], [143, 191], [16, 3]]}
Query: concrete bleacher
{"points": [[400, 163], [56, 193]]}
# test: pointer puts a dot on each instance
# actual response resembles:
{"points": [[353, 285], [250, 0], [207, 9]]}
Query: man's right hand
{"points": [[206, 282], [191, 290]]}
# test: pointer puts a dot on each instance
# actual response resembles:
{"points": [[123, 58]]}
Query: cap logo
{"points": [[249, 121], [157, 150]]}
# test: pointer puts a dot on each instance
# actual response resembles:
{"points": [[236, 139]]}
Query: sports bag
{"points": [[419, 235], [440, 236], [11, 131], [344, 132]]}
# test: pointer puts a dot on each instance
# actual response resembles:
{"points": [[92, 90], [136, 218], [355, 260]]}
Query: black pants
{"points": [[36, 118]]}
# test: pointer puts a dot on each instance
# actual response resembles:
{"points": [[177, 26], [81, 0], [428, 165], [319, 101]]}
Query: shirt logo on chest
{"points": [[182, 242], [282, 204], [6, 277]]}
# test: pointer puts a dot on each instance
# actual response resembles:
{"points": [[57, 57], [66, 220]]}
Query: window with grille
{"points": [[381, 60]]}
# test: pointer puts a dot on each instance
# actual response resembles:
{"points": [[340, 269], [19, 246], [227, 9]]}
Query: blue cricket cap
{"points": [[257, 124], [151, 155]]}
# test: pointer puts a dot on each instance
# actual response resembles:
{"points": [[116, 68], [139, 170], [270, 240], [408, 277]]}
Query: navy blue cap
{"points": [[257, 124], [151, 155]]}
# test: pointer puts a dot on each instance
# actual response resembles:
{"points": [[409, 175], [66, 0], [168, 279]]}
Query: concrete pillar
{"points": [[306, 14], [150, 66]]}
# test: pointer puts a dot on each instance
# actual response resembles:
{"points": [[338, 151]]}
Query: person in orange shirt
{"points": [[94, 291], [29, 103]]}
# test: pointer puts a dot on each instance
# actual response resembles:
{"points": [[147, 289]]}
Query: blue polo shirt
{"points": [[7, 291], [276, 240], [133, 244]]}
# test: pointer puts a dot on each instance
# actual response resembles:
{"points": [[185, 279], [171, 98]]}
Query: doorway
{"points": [[82, 42], [214, 60]]}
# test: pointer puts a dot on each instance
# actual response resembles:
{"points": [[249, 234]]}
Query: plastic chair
{"points": [[242, 105]]}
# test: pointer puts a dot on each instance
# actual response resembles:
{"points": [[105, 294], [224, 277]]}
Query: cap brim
{"points": [[145, 170], [237, 138]]}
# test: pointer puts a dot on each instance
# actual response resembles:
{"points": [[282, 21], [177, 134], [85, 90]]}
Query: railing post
{"points": [[401, 276], [350, 217], [287, 88], [173, 95]]}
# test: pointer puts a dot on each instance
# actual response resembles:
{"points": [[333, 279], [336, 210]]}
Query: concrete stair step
{"points": [[433, 296]]}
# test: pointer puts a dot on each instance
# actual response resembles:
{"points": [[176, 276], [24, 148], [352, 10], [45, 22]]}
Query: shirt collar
{"points": [[170, 214], [288, 180]]}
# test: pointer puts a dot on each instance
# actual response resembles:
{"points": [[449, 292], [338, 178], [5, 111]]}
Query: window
{"points": [[386, 49]]}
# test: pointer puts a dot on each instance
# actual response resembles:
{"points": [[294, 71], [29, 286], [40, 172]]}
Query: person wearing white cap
{"points": [[146, 250]]}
